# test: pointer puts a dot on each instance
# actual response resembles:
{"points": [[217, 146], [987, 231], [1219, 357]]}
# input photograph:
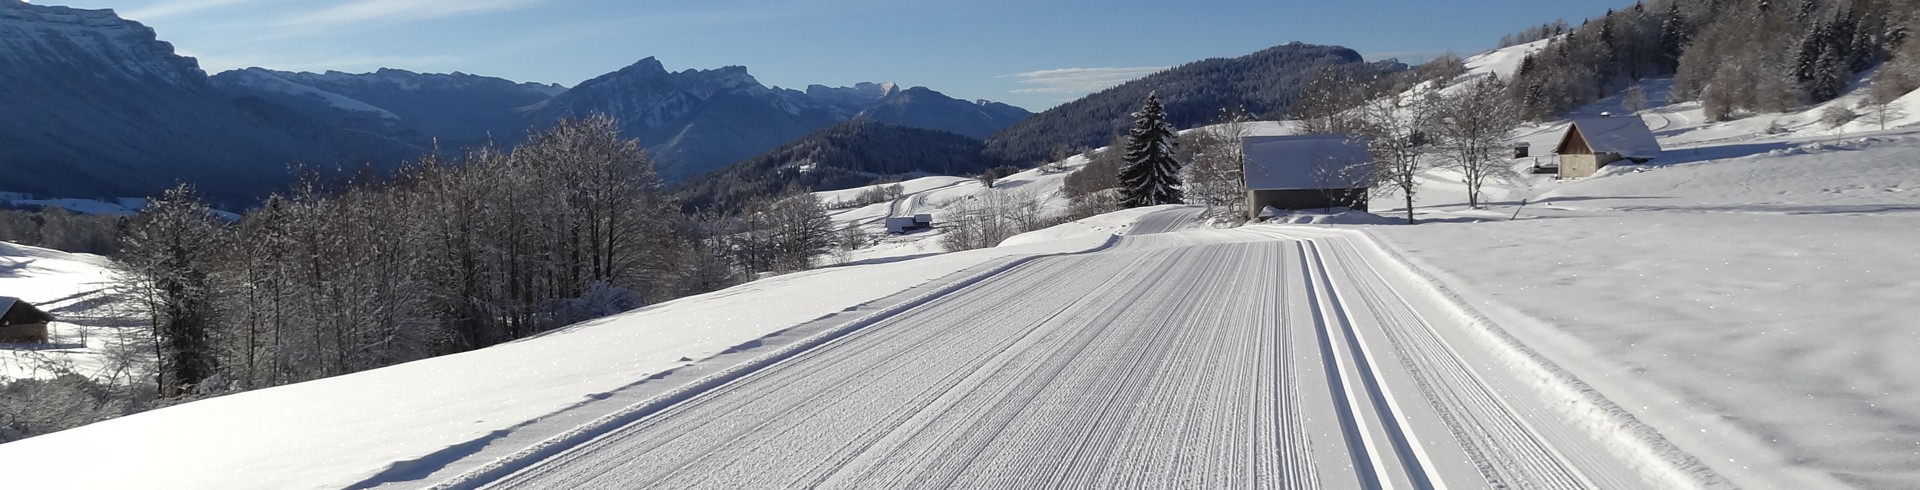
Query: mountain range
{"points": [[694, 121], [98, 106], [855, 153], [1265, 84]]}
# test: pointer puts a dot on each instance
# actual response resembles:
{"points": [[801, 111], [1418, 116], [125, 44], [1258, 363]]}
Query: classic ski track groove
{"points": [[1204, 359]]}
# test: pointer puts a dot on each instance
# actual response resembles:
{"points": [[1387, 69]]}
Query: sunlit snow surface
{"points": [[1749, 296]]}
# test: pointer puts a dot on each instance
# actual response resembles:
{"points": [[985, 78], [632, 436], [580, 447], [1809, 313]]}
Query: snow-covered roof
{"points": [[1308, 161], [29, 314], [1626, 135]]}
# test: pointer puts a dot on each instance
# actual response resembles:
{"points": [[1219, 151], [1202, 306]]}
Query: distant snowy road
{"points": [[1200, 359], [1167, 221]]}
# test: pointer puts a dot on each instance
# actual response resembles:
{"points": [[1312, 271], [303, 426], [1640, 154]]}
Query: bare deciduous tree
{"points": [[1474, 124], [168, 266], [1887, 87], [1398, 128], [1215, 158], [1635, 99]]}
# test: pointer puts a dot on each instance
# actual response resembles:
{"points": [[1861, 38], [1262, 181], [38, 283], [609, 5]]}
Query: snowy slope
{"points": [[1749, 294], [401, 424], [75, 289], [261, 79], [1204, 359], [935, 195]]}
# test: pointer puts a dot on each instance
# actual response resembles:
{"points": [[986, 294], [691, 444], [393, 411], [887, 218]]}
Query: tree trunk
{"points": [[1409, 208]]}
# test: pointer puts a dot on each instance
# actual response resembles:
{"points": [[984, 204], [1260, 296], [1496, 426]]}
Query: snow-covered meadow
{"points": [[76, 289], [1753, 295]]}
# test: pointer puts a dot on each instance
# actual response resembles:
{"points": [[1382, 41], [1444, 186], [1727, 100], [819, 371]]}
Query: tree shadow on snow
{"points": [[1708, 153]]}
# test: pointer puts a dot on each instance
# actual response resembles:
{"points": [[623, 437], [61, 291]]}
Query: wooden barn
{"points": [[21, 322], [1313, 171], [1594, 142], [908, 224]]}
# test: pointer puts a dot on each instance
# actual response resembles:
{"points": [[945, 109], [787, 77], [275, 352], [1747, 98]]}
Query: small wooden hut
{"points": [[1594, 142], [21, 321], [1307, 171]]}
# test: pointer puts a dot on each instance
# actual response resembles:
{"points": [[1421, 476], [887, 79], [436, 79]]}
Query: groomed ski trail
{"points": [[1256, 357]]}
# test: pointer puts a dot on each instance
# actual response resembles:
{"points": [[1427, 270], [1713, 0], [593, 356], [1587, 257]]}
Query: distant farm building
{"points": [[1595, 142], [1315, 171], [21, 322], [908, 224]]}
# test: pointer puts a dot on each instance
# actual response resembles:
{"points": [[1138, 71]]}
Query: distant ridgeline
{"points": [[1265, 84], [847, 155], [97, 106]]}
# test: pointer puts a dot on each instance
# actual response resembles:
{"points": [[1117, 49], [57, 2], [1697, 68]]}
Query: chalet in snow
{"points": [[1313, 171], [908, 224], [21, 321], [1595, 142]]}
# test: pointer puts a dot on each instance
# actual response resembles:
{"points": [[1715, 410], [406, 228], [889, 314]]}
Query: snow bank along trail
{"points": [[1201, 359]]}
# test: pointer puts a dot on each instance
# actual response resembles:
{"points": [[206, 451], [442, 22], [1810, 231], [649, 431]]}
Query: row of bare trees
{"points": [[452, 255]]}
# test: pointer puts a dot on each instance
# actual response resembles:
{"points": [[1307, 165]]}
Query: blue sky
{"points": [[1029, 53]]}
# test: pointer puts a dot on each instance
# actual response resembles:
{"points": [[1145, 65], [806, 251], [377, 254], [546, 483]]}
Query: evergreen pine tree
{"points": [[1830, 74], [1151, 176], [1807, 57], [1673, 36]]}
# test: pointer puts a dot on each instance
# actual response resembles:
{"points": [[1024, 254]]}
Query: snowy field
{"points": [[1742, 312], [1753, 294], [1761, 311], [1151, 364], [75, 289], [415, 423]]}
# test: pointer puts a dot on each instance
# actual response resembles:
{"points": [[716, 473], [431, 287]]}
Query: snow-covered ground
{"points": [[1753, 294], [1156, 363], [1760, 311], [1740, 312], [937, 195], [417, 422], [125, 206], [75, 288]]}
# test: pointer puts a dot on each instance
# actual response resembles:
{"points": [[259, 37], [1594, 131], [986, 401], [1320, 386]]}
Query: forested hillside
{"points": [[1733, 56], [847, 155], [1265, 84]]}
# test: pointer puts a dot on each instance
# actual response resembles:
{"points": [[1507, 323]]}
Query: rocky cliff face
{"points": [[96, 105]]}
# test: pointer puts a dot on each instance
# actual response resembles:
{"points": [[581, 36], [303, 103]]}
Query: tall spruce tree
{"points": [[1151, 176]]}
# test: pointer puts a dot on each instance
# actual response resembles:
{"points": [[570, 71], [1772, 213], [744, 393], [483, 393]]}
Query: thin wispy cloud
{"points": [[177, 7], [347, 63], [394, 12], [1078, 80]]}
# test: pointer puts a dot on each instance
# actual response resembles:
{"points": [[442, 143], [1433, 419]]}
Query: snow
{"points": [[120, 207], [404, 422], [1626, 135], [1304, 162], [72, 287], [1749, 295], [1503, 62], [1167, 360], [1738, 313], [1338, 216], [265, 81]]}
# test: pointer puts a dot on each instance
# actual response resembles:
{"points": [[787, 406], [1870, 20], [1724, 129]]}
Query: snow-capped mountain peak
{"points": [[79, 37]]}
